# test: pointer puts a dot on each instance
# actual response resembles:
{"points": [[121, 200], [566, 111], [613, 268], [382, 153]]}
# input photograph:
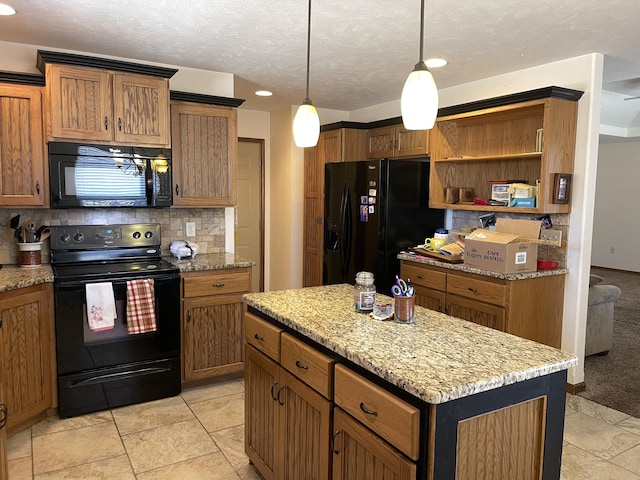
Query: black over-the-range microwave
{"points": [[109, 176]]}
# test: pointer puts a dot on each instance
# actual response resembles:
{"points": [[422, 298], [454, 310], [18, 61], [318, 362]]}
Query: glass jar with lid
{"points": [[364, 294]]}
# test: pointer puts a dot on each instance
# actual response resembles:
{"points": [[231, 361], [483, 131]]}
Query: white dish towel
{"points": [[101, 306]]}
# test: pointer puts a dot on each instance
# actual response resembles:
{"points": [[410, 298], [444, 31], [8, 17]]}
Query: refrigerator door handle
{"points": [[346, 232]]}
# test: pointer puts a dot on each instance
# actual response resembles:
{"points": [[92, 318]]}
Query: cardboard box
{"points": [[506, 250], [523, 202]]}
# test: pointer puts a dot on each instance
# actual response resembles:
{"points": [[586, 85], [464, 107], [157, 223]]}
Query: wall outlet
{"points": [[552, 235], [190, 228]]}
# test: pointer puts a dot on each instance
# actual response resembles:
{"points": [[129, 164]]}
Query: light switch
{"points": [[190, 227]]}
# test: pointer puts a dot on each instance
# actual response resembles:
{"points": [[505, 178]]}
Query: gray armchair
{"points": [[600, 316]]}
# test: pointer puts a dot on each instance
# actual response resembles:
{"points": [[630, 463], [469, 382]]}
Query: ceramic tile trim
{"points": [[438, 358], [13, 277], [465, 268], [210, 261]]}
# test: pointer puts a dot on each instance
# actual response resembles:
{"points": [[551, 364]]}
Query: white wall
{"points": [[615, 217]]}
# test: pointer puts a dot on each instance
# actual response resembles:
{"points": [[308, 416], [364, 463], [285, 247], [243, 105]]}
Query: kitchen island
{"points": [[440, 398]]}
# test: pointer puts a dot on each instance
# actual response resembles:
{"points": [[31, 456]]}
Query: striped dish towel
{"points": [[141, 314]]}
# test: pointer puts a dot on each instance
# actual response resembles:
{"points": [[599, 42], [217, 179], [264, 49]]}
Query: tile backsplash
{"points": [[209, 222]]}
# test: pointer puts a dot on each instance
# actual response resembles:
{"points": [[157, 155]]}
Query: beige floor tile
{"points": [[631, 424], [231, 442], [629, 460], [207, 392], [111, 468], [580, 465], [57, 424], [19, 445], [166, 445], [143, 416], [21, 469], [597, 436], [219, 413], [248, 472], [595, 410], [207, 467], [70, 448]]}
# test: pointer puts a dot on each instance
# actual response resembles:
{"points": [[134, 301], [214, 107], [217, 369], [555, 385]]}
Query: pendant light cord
{"points": [[309, 48], [421, 29]]}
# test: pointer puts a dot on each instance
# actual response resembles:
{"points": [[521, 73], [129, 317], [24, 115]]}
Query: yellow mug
{"points": [[434, 244]]}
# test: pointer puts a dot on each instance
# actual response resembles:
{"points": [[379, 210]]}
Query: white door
{"points": [[249, 234]]}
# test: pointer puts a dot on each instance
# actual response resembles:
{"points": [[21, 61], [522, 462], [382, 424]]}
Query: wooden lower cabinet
{"points": [[212, 335], [527, 307], [26, 354], [287, 424], [4, 460], [360, 454]]}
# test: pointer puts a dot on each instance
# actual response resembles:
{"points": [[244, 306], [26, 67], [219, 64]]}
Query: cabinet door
{"points": [[141, 110], [381, 142], [330, 146], [205, 155], [21, 147], [429, 298], [212, 336], [80, 103], [359, 454], [261, 392], [477, 312], [313, 217], [306, 430], [25, 353], [411, 142]]}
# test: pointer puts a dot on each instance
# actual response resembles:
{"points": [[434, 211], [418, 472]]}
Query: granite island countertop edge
{"points": [[434, 374]]}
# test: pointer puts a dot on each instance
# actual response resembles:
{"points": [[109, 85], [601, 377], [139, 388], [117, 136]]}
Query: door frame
{"points": [[260, 262]]}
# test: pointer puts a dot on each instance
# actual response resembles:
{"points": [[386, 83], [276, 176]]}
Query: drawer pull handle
{"points": [[474, 290], [278, 395], [258, 337], [367, 411], [420, 277], [218, 285], [273, 395], [333, 442], [300, 365]]}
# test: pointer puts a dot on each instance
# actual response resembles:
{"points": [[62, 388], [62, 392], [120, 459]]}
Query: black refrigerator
{"points": [[372, 210]]}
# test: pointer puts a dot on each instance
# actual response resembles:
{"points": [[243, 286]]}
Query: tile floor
{"points": [[199, 434]]}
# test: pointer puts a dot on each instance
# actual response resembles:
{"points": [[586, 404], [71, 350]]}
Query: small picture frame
{"points": [[562, 188]]}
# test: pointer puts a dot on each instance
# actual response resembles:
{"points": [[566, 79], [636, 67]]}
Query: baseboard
{"points": [[577, 388]]}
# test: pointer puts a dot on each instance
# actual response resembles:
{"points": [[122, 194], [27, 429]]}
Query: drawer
{"points": [[477, 289], [223, 282], [424, 277], [262, 335], [390, 417], [308, 364]]}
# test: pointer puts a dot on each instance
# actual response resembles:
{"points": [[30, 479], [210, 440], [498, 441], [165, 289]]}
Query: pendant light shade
{"points": [[419, 100], [306, 123]]}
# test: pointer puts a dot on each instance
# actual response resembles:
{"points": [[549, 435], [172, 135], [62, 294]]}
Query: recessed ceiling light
{"points": [[6, 9], [264, 93], [436, 62]]}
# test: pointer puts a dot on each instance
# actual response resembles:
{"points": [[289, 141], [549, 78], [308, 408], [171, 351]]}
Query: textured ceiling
{"points": [[361, 50]]}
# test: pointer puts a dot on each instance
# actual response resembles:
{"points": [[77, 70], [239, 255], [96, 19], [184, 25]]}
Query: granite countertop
{"points": [[437, 358], [209, 261], [13, 276], [461, 267]]}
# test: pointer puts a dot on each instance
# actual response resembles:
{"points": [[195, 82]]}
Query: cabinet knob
{"points": [[217, 285], [38, 187], [119, 124], [106, 123], [278, 395], [367, 411], [177, 190], [301, 365], [273, 395], [258, 337], [333, 441], [473, 290], [3, 412]]}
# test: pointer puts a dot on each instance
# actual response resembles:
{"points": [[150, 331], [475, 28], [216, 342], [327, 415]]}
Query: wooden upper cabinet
{"points": [[396, 141], [205, 155], [88, 104], [22, 167]]}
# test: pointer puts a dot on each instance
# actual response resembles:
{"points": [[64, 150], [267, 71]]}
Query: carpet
{"points": [[613, 380]]}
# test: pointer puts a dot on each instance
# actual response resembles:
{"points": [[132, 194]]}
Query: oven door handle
{"points": [[112, 377]]}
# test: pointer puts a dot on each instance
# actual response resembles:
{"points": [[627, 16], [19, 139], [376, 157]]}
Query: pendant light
{"points": [[419, 100], [306, 123]]}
